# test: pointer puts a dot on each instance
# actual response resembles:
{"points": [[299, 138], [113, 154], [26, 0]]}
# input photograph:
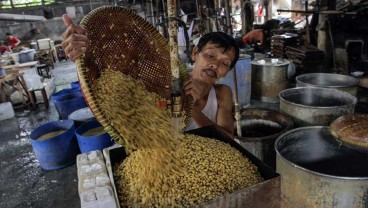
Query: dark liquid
{"points": [[320, 152], [349, 165], [315, 100], [260, 130]]}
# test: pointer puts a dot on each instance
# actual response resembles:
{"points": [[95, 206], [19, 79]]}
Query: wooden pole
{"points": [[174, 63], [228, 18], [307, 23], [173, 39], [236, 104], [236, 97]]}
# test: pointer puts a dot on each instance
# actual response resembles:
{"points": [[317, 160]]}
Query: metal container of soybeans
{"points": [[317, 171], [269, 78], [265, 194]]}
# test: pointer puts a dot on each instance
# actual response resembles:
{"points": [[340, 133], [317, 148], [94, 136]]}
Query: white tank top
{"points": [[210, 110]]}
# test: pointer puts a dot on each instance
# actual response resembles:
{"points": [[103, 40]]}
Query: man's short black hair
{"points": [[223, 40], [8, 33]]}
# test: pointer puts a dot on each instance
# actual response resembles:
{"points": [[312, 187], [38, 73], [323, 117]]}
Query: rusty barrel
{"points": [[317, 171], [260, 128], [269, 78]]}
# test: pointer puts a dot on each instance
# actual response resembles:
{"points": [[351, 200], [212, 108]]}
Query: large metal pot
{"points": [[326, 80], [316, 171], [269, 78], [313, 106], [260, 128]]}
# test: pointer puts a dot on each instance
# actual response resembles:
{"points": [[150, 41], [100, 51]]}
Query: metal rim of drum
{"points": [[288, 121], [305, 169], [332, 91], [256, 62], [354, 81]]}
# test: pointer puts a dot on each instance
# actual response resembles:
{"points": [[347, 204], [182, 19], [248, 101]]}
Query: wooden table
{"points": [[17, 82], [13, 69]]}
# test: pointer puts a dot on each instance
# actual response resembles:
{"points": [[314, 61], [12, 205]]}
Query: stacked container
{"points": [[94, 184]]}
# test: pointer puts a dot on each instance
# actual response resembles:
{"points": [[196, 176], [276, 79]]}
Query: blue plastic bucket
{"points": [[58, 151], [81, 116], [75, 84], [59, 95], [2, 72], [95, 142], [69, 103], [27, 56], [243, 78]]}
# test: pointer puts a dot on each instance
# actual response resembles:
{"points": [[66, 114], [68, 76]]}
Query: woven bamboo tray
{"points": [[122, 41]]}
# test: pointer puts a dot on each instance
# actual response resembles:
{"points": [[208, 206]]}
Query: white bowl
{"points": [[357, 73]]}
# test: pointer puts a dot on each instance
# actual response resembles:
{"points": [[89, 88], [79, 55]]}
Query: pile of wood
{"points": [[304, 54], [358, 6], [280, 42]]}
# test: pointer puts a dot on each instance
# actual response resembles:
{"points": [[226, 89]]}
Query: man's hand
{"points": [[74, 39], [196, 88]]}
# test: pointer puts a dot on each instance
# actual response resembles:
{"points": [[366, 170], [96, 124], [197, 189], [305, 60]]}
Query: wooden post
{"points": [[174, 63], [229, 28], [307, 22], [173, 39]]}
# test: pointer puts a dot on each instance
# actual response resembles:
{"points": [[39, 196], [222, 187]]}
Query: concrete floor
{"points": [[22, 182]]}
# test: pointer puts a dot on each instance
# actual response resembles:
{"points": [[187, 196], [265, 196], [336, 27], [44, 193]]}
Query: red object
{"points": [[260, 10], [245, 41], [13, 41], [4, 49]]}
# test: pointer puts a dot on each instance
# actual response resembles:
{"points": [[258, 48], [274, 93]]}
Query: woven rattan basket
{"points": [[123, 41]]}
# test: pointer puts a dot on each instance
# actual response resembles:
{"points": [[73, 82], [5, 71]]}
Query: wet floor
{"points": [[22, 182]]}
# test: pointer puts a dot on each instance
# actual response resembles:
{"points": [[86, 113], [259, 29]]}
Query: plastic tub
{"points": [[57, 151], [59, 95], [75, 85], [81, 116], [68, 103], [89, 143], [27, 56], [2, 72]]}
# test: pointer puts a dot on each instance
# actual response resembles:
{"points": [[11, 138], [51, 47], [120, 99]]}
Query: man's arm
{"points": [[18, 41], [261, 37], [225, 118]]}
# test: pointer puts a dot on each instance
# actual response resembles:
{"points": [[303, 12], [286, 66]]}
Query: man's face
{"points": [[212, 63]]}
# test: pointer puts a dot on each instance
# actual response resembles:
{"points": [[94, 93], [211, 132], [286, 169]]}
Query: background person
{"points": [[4, 48], [254, 37], [12, 40]]}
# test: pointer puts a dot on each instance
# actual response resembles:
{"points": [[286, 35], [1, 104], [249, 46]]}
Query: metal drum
{"points": [[269, 78], [317, 171], [260, 128], [326, 80], [313, 106]]}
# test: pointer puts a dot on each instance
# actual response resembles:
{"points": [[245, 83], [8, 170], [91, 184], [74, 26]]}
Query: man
{"points": [[254, 37], [4, 49], [12, 41], [214, 56]]}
